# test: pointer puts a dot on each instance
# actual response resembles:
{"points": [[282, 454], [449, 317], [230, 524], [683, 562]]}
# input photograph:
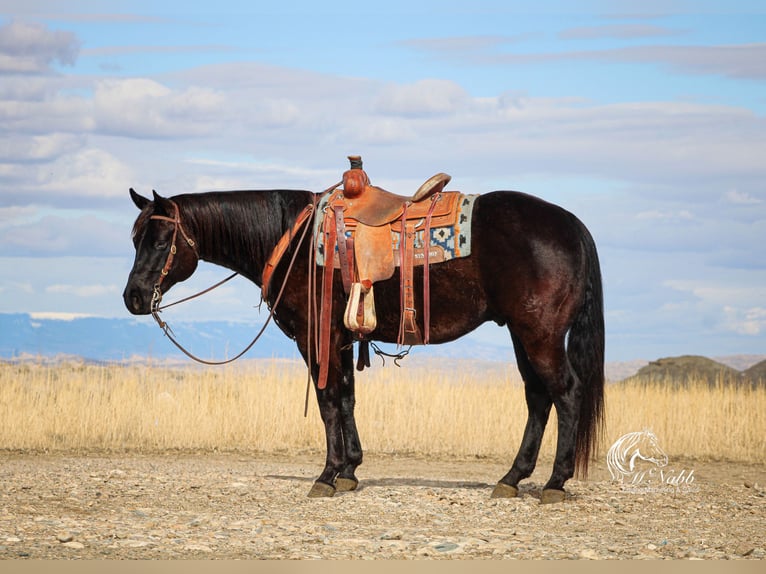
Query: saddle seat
{"points": [[375, 206]]}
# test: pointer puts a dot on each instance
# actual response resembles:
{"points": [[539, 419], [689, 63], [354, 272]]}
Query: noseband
{"points": [[176, 221]]}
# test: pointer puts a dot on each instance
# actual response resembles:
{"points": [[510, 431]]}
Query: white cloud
{"points": [[39, 148], [720, 292], [63, 234], [734, 60], [90, 172], [260, 111], [751, 321], [139, 107], [385, 131], [424, 97], [13, 214], [32, 48], [57, 316], [741, 198]]}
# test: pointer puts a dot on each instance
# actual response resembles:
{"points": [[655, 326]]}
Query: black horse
{"points": [[533, 268]]}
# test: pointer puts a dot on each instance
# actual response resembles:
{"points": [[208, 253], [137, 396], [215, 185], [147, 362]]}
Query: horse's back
{"points": [[522, 217]]}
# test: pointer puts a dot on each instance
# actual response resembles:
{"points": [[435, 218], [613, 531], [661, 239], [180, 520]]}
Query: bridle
{"points": [[177, 226], [157, 291]]}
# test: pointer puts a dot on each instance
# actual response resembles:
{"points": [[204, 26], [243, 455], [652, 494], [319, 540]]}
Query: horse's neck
{"points": [[234, 231]]}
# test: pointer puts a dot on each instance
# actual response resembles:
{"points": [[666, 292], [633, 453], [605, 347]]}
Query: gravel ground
{"points": [[213, 506]]}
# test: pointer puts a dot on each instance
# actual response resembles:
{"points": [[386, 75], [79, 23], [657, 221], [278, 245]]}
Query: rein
{"points": [[157, 292]]}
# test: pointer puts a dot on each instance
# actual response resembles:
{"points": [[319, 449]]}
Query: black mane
{"points": [[242, 226]]}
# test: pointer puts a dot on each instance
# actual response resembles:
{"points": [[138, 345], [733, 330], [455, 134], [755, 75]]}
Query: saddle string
{"points": [[395, 356]]}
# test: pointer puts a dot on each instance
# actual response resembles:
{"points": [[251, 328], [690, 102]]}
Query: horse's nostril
{"points": [[133, 301]]}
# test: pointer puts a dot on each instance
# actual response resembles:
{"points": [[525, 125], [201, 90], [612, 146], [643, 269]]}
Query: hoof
{"points": [[552, 496], [346, 484], [503, 490], [321, 490]]}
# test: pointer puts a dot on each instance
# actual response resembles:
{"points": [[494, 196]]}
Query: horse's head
{"points": [[165, 253]]}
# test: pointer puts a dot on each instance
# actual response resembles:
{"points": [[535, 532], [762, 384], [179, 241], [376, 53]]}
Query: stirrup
{"points": [[359, 292]]}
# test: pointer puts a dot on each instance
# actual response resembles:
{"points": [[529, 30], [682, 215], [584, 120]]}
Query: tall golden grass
{"points": [[425, 409]]}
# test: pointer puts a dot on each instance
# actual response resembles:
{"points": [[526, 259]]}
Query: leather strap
{"points": [[281, 247], [409, 334], [345, 255], [325, 313], [426, 272], [176, 221], [363, 360]]}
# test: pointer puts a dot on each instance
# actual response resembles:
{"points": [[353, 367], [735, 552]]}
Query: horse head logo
{"points": [[629, 450]]}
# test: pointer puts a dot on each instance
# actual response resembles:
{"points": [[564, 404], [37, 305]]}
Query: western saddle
{"points": [[359, 224]]}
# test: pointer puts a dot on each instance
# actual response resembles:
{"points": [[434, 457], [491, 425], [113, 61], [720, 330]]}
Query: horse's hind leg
{"points": [[551, 364], [538, 409], [568, 401], [549, 380]]}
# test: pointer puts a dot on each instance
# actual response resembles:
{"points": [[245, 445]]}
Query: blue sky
{"points": [[646, 119]]}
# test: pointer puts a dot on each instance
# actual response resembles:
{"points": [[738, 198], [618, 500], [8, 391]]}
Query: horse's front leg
{"points": [[336, 407], [352, 446]]}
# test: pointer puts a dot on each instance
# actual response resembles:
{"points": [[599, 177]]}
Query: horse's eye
{"points": [[160, 245]]}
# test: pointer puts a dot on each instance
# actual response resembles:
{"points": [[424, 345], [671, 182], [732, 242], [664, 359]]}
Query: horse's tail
{"points": [[585, 350]]}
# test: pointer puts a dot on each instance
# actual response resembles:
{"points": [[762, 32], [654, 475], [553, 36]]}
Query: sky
{"points": [[645, 119]]}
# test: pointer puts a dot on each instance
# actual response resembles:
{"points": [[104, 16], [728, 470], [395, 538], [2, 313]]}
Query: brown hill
{"points": [[757, 373], [687, 369]]}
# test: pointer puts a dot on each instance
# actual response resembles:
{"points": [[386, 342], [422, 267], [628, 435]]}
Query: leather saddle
{"points": [[358, 225]]}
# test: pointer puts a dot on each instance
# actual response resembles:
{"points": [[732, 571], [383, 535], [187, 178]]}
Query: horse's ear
{"points": [[161, 203], [138, 199]]}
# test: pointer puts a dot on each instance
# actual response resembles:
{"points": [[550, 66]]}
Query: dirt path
{"points": [[252, 506]]}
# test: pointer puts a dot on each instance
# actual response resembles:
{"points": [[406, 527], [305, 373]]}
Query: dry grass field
{"points": [[420, 409], [161, 462]]}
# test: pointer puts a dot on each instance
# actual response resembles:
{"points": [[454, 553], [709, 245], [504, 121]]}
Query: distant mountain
{"points": [[757, 373], [101, 339], [686, 369], [740, 362]]}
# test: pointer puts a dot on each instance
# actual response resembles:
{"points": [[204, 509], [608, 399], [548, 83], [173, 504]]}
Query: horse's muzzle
{"points": [[135, 301]]}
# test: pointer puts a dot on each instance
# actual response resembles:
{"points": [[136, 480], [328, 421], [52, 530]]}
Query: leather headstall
{"points": [[177, 226]]}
